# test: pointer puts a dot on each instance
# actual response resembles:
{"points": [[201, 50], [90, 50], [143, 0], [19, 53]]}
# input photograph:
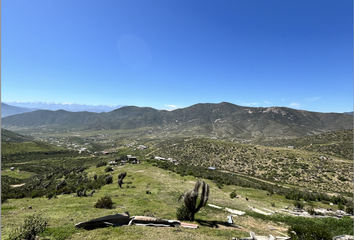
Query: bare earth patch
{"points": [[18, 185]]}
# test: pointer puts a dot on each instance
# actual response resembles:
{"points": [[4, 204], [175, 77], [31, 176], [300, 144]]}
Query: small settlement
{"points": [[129, 159]]}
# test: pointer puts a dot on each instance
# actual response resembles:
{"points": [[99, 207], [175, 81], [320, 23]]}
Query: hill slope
{"points": [[290, 166], [336, 143], [9, 136], [7, 110], [14, 145], [218, 120]]}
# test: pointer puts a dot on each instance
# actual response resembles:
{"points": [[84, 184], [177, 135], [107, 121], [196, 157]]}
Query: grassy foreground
{"points": [[65, 211]]}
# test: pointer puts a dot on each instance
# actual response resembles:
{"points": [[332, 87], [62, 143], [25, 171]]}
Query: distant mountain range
{"points": [[216, 120], [7, 110], [11, 108]]}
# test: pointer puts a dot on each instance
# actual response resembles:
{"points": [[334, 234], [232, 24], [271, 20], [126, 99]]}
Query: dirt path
{"points": [[17, 185], [243, 175], [151, 152], [343, 161]]}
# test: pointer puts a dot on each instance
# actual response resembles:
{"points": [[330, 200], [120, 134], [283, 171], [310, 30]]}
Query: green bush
{"points": [[101, 163], [108, 169], [183, 213], [299, 204], [307, 230], [310, 208], [51, 194], [311, 228], [33, 225], [349, 210], [37, 193], [104, 202], [340, 206], [108, 179], [233, 195]]}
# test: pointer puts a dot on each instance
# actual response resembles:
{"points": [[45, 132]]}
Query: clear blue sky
{"points": [[166, 54]]}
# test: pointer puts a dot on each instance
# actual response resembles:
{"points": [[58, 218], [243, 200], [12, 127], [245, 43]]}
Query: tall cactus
{"points": [[120, 178], [190, 198]]}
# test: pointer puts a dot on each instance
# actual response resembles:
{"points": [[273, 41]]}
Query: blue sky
{"points": [[168, 54]]}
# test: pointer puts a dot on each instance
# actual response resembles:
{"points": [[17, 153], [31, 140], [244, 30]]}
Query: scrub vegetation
{"points": [[52, 186]]}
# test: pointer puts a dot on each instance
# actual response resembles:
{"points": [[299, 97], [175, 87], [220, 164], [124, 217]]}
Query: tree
{"points": [[190, 198]]}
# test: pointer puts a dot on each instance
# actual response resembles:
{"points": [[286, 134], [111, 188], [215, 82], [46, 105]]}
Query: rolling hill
{"points": [[223, 120], [14, 145], [9, 136]]}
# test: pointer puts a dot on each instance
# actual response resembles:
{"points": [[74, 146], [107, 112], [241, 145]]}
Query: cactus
{"points": [[190, 198], [121, 176]]}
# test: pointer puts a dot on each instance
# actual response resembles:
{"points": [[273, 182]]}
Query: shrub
{"points": [[148, 192], [273, 204], [64, 190], [233, 195], [299, 204], [108, 169], [37, 193], [310, 208], [104, 202], [183, 213], [101, 163], [340, 206], [33, 225], [108, 180], [349, 210], [51, 195], [308, 230]]}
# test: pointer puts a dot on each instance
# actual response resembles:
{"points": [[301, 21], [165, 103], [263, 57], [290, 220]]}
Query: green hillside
{"points": [[223, 120], [147, 194], [10, 136], [290, 166], [336, 143], [9, 148], [15, 147], [255, 174]]}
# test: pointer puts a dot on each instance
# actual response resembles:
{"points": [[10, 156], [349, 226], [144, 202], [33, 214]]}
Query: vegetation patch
{"points": [[32, 226], [104, 202]]}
